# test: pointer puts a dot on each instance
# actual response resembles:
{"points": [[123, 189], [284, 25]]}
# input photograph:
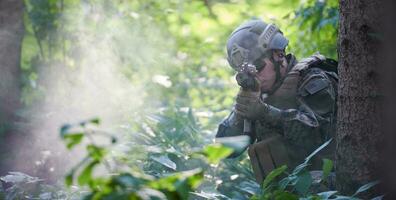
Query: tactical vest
{"points": [[275, 146]]}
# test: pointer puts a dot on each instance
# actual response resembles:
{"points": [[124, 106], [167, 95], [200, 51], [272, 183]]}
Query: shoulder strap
{"points": [[307, 62], [328, 65]]}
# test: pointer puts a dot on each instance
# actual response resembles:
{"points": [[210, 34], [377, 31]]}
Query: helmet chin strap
{"points": [[278, 76]]}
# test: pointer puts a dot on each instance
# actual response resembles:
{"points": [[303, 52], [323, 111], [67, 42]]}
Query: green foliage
{"points": [[300, 183], [295, 185], [314, 28], [214, 153], [164, 160], [24, 186], [308, 158], [272, 175], [365, 187], [327, 167], [136, 185]]}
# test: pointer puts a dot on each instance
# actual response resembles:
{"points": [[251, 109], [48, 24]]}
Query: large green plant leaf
{"points": [[215, 152], [69, 178], [300, 168], [326, 168], [178, 185], [366, 187], [326, 195], [85, 176], [165, 161], [285, 195], [96, 152], [273, 174], [127, 180], [303, 183], [73, 139], [308, 158]]}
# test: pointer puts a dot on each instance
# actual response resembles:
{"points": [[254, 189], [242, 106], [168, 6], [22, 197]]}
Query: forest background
{"points": [[152, 74]]}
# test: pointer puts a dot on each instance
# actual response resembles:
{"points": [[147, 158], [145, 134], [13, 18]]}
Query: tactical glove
{"points": [[250, 106]]}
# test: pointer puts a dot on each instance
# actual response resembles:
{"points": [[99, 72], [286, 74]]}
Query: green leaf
{"points": [[366, 187], [194, 177], [126, 180], [237, 143], [95, 121], [300, 168], [340, 197], [303, 183], [164, 160], [285, 182], [326, 168], [311, 197], [85, 176], [69, 178], [326, 195], [307, 159], [215, 152], [73, 139], [213, 195], [273, 174], [148, 193], [63, 130], [95, 152], [378, 197], [284, 195], [178, 185], [113, 140]]}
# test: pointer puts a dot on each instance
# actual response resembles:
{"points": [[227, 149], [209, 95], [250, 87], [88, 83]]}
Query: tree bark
{"points": [[11, 34], [388, 171], [359, 130]]}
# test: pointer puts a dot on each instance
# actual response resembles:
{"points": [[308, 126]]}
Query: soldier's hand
{"points": [[248, 81], [249, 105]]}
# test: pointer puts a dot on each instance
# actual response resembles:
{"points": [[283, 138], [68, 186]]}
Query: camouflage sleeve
{"points": [[230, 126]]}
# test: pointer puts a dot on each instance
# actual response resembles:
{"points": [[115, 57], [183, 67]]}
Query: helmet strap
{"points": [[278, 78]]}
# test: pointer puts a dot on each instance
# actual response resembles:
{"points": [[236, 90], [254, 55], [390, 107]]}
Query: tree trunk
{"points": [[359, 130], [389, 162], [11, 34]]}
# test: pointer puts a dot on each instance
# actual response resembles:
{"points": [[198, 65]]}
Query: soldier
{"points": [[291, 106]]}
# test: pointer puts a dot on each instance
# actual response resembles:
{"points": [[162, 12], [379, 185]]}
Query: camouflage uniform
{"points": [[308, 94]]}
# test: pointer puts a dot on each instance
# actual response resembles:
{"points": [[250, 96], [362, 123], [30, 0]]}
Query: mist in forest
{"points": [[101, 77]]}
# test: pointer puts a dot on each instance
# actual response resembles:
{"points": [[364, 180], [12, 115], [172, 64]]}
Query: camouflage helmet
{"points": [[251, 41]]}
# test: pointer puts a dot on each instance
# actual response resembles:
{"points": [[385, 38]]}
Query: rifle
{"points": [[245, 78]]}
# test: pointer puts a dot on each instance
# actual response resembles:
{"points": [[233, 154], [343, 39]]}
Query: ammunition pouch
{"points": [[267, 155]]}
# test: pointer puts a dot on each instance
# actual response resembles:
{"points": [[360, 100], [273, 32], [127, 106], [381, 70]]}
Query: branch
{"points": [[209, 7]]}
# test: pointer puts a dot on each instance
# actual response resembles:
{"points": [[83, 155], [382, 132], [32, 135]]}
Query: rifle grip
{"points": [[247, 127]]}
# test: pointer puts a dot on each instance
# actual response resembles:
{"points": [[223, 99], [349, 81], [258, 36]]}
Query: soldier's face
{"points": [[267, 75], [278, 56]]}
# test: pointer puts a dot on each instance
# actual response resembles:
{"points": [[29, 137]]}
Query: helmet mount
{"points": [[267, 35]]}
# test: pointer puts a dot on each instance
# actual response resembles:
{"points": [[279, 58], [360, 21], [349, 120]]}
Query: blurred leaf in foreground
{"points": [[215, 152]]}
